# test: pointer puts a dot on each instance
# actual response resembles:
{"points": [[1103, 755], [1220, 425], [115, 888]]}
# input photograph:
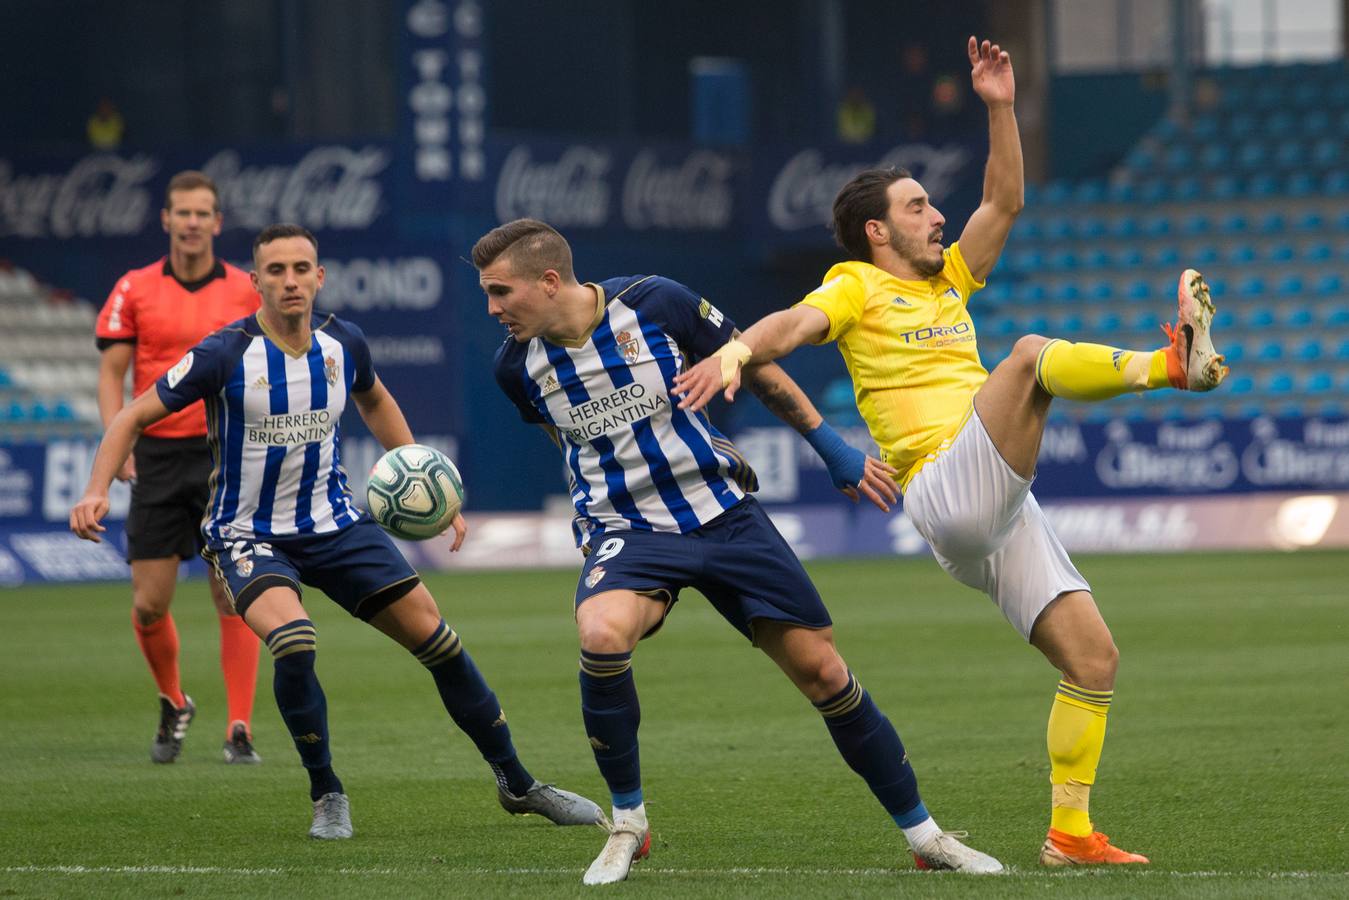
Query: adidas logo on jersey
{"points": [[262, 384], [900, 301], [550, 385]]}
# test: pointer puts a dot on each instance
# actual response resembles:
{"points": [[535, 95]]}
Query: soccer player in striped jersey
{"points": [[662, 503], [153, 316], [964, 440], [280, 514]]}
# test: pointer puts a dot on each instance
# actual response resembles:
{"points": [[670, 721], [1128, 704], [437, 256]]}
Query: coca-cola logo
{"points": [[574, 190], [803, 192], [331, 187], [101, 196], [693, 195]]}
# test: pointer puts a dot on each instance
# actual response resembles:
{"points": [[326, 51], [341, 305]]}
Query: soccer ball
{"points": [[414, 492]]}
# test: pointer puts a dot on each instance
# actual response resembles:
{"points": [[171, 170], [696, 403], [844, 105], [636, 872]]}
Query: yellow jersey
{"points": [[910, 349]]}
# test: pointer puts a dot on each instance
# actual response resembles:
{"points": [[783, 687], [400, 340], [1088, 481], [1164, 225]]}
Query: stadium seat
{"points": [[1090, 191], [1272, 223], [1297, 315], [1029, 293], [1196, 224], [1329, 285], [1300, 184], [1129, 257], [1167, 256], [1057, 193], [1059, 228], [1308, 351], [1290, 155], [1154, 190], [1217, 286], [1309, 221], [1239, 384], [1262, 185], [1215, 156], [1240, 125], [1327, 153], [1157, 226], [1224, 318], [1096, 258], [1315, 122], [1124, 227], [1270, 351], [1342, 351], [1204, 127], [1335, 183], [1138, 289], [1279, 383], [1062, 261], [1290, 286], [1317, 251], [1239, 254], [1279, 252], [1105, 323], [1101, 290], [1091, 227], [1320, 382], [1337, 315], [1253, 155], [1187, 187], [1225, 187], [1121, 192], [1252, 286]]}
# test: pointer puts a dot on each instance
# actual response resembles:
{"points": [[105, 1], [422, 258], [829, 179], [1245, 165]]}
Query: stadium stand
{"points": [[1252, 191], [48, 362]]}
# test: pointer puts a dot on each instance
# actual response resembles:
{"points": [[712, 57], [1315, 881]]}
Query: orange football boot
{"points": [[1095, 849]]}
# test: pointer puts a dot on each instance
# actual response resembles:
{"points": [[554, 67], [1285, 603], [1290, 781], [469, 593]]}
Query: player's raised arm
{"points": [[113, 451], [770, 338], [1004, 179]]}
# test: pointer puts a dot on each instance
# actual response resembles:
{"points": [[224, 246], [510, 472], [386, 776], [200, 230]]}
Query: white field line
{"points": [[695, 873]]}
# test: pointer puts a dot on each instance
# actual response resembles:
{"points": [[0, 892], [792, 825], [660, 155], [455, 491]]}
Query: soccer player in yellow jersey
{"points": [[964, 441]]}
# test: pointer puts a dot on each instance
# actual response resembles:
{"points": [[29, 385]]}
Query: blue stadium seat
{"points": [[1224, 318], [1297, 316], [1342, 351], [1144, 320], [1239, 384], [1105, 323], [1320, 382], [1317, 251], [1335, 183], [1217, 286], [62, 412], [1062, 261], [1280, 122], [1029, 293], [5, 379], [1290, 285], [1204, 127], [1091, 227], [1273, 223], [1344, 122], [1259, 317], [1216, 156], [1235, 351], [1069, 326], [1204, 254], [1300, 184], [1141, 159], [1308, 93], [1036, 325], [1308, 351], [1290, 154], [1028, 261], [1101, 291], [1327, 153], [1240, 125], [1234, 223], [1335, 315], [1065, 292], [1121, 192], [1002, 326], [1124, 227], [1028, 227], [1129, 258], [1167, 255], [1279, 383], [1315, 122], [1178, 158], [1154, 190], [1196, 224], [1225, 186], [1057, 192], [1270, 351], [1342, 221], [1241, 253], [1059, 228], [1263, 185], [1096, 258], [1330, 285], [1253, 155], [1309, 221], [1268, 95], [1187, 187], [1138, 289], [996, 294], [1280, 252], [1157, 226]]}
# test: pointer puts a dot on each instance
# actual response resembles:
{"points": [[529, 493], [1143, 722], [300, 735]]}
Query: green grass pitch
{"points": [[1227, 759]]}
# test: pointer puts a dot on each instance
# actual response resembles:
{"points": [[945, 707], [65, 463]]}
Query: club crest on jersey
{"points": [[550, 385], [709, 312], [330, 371], [627, 345], [244, 566], [594, 577], [180, 368]]}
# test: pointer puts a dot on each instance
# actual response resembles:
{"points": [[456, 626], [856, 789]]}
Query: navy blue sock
{"points": [[871, 747], [303, 706], [473, 706], [611, 712]]}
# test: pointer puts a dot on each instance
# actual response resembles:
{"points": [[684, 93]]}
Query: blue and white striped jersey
{"points": [[634, 460], [271, 418]]}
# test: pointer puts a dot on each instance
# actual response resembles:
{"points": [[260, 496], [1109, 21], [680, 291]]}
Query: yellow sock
{"points": [[1076, 734], [1097, 372]]}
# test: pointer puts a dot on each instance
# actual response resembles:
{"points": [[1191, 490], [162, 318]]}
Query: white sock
{"points": [[637, 814], [922, 834]]}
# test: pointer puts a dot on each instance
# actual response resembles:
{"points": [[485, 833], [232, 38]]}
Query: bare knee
{"points": [[1026, 351], [817, 671], [1095, 668], [605, 634], [148, 610]]}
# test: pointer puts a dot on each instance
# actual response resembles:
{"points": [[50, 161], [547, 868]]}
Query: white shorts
{"points": [[986, 529]]}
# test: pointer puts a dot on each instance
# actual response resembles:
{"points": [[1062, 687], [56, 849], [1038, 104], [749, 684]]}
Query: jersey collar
{"points": [[217, 271]]}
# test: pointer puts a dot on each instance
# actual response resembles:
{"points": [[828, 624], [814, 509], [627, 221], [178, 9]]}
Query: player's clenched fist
{"points": [[85, 516]]}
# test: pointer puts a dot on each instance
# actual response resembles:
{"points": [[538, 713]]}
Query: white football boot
{"points": [[629, 841], [945, 851]]}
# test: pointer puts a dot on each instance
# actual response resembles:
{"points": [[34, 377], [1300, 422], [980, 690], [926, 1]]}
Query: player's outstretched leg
{"points": [[872, 748], [304, 708], [475, 709], [612, 715], [1088, 372]]}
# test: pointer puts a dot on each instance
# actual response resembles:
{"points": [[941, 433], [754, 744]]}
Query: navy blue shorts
{"points": [[358, 567], [738, 561]]}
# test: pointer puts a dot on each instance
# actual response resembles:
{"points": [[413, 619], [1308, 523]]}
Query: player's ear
{"points": [[551, 281], [216, 223], [164, 220], [319, 273], [876, 231]]}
